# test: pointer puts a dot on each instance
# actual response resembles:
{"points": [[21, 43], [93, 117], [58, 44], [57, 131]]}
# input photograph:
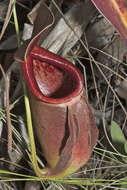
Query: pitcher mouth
{"points": [[50, 78]]}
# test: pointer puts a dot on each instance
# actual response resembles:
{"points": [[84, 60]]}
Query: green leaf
{"points": [[125, 147], [117, 134]]}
